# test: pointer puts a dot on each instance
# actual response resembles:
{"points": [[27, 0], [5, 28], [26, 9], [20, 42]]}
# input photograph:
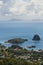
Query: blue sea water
{"points": [[27, 30]]}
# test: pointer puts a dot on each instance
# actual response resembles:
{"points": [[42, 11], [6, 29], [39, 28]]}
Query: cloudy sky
{"points": [[21, 9]]}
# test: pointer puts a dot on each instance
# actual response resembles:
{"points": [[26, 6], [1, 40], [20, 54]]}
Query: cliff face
{"points": [[36, 37]]}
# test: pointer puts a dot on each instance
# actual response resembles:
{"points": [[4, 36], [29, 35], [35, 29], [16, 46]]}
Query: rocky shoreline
{"points": [[17, 52]]}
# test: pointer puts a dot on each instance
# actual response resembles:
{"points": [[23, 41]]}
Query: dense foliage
{"points": [[14, 61]]}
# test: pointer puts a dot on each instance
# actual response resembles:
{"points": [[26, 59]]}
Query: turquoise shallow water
{"points": [[22, 30]]}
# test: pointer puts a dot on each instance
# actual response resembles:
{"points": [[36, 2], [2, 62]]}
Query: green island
{"points": [[16, 55], [16, 40]]}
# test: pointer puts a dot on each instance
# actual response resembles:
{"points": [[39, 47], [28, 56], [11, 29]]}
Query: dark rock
{"points": [[36, 37], [16, 40], [31, 46]]}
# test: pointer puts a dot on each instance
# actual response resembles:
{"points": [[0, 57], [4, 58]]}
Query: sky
{"points": [[21, 9]]}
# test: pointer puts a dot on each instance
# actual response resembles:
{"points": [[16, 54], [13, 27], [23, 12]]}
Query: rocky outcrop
{"points": [[36, 38], [16, 40], [15, 47], [31, 47]]}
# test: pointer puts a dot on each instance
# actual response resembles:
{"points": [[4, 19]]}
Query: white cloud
{"points": [[1, 4], [23, 9], [18, 7], [28, 8]]}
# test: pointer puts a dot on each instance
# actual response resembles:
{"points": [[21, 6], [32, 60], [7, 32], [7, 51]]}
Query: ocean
{"points": [[9, 30]]}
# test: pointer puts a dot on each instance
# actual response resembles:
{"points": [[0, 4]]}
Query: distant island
{"points": [[16, 40]]}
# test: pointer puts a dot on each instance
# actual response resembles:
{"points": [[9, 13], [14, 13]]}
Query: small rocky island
{"points": [[16, 40], [36, 38], [31, 46]]}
